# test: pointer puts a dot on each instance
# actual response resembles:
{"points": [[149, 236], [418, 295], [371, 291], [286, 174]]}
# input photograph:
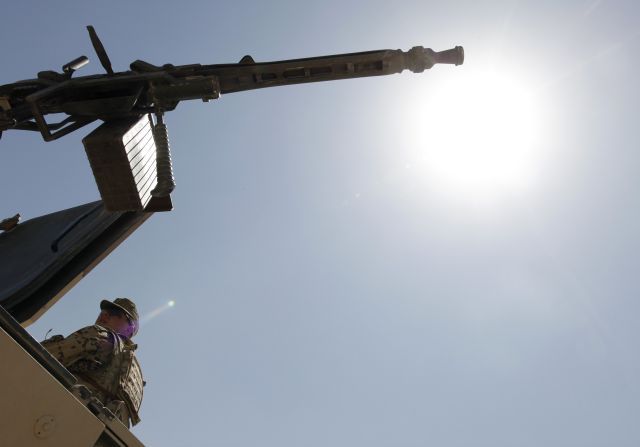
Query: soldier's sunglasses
{"points": [[116, 313]]}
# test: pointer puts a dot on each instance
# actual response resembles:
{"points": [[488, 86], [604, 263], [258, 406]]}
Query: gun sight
{"points": [[75, 64]]}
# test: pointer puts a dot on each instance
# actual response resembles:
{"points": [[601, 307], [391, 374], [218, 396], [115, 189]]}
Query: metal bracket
{"points": [[43, 126]]}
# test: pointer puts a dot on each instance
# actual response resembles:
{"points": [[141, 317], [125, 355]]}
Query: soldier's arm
{"points": [[92, 343]]}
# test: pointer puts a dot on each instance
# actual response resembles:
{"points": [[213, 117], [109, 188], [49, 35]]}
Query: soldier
{"points": [[101, 357]]}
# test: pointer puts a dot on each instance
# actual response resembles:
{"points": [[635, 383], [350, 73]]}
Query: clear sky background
{"points": [[447, 258]]}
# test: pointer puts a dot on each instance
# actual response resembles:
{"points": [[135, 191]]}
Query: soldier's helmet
{"points": [[128, 307]]}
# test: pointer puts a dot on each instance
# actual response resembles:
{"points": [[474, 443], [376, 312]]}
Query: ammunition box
{"points": [[122, 155]]}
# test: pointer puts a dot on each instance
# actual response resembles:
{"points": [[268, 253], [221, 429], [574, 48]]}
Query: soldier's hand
{"points": [[53, 339]]}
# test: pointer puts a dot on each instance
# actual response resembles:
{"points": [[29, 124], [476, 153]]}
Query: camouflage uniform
{"points": [[104, 362]]}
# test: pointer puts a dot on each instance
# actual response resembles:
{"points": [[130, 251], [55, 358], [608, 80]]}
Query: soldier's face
{"points": [[116, 321]]}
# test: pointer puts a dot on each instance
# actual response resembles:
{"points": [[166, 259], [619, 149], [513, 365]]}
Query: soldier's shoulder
{"points": [[94, 331]]}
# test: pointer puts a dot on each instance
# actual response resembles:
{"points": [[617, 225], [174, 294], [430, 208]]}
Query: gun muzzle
{"points": [[452, 56], [418, 59]]}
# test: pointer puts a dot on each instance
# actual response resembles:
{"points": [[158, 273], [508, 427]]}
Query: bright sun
{"points": [[478, 132]]}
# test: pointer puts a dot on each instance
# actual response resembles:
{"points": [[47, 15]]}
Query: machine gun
{"points": [[125, 101]]}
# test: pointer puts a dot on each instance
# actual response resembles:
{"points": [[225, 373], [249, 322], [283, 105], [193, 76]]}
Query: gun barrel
{"points": [[249, 75]]}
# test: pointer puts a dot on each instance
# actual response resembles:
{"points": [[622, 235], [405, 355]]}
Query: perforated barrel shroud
{"points": [[122, 155]]}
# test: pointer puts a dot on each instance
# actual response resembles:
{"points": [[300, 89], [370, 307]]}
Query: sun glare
{"points": [[478, 133]]}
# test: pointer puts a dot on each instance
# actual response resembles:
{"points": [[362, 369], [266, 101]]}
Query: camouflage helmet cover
{"points": [[127, 306]]}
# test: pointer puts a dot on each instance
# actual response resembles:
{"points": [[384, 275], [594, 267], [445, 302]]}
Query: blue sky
{"points": [[446, 258]]}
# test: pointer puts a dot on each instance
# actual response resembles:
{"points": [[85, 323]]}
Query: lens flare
{"points": [[157, 311]]}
